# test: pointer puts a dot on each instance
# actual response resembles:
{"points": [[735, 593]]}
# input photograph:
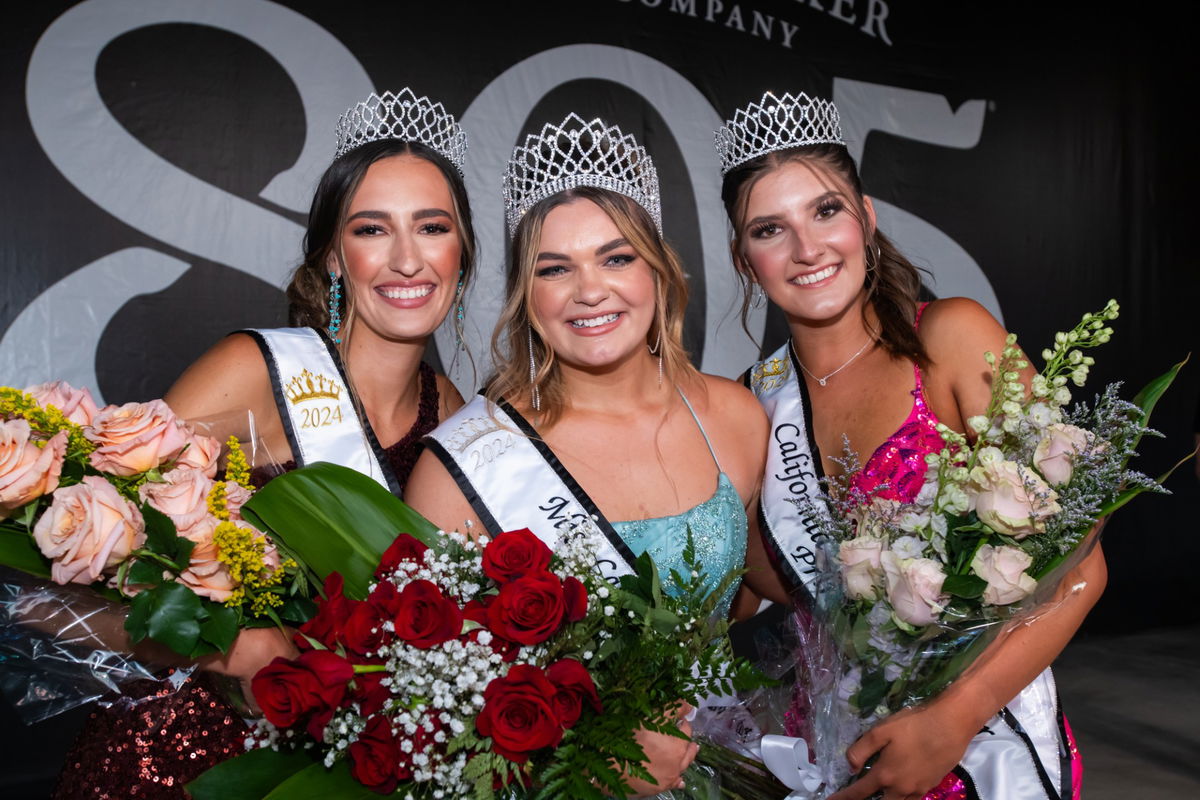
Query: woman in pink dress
{"points": [[868, 362]]}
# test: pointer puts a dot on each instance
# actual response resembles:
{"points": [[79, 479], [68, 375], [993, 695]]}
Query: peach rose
{"points": [[27, 471], [914, 588], [88, 528], [205, 575], [236, 496], [182, 496], [201, 453], [136, 437], [1056, 451], [76, 405], [861, 569], [1004, 570], [1011, 500]]}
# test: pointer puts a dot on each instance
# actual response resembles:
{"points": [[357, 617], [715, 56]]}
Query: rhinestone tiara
{"points": [[404, 116], [579, 153], [776, 123]]}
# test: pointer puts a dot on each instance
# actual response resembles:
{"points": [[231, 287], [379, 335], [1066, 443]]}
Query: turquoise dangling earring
{"points": [[335, 307], [459, 316]]}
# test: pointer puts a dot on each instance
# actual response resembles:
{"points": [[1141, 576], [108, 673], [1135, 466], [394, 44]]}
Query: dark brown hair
{"points": [[893, 284], [308, 292]]}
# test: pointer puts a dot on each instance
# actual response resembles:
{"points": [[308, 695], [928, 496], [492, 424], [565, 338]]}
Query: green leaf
{"points": [[297, 610], [137, 621], [874, 687], [19, 551], [965, 586], [662, 621], [143, 572], [1128, 494], [1150, 394], [317, 783], [160, 531], [173, 612], [221, 627], [335, 520], [250, 776]]}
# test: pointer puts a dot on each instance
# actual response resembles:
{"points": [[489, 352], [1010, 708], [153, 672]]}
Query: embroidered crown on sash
{"points": [[307, 386]]}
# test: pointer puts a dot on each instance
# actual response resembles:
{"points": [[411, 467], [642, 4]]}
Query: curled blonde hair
{"points": [[517, 330]]}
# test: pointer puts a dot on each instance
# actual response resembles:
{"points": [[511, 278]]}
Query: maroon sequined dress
{"points": [[153, 739]]}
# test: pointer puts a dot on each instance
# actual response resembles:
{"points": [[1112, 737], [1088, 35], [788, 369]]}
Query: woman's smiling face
{"points": [[593, 295], [401, 248], [804, 242]]}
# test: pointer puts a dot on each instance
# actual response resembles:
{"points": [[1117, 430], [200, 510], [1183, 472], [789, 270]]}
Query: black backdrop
{"points": [[1045, 149]]}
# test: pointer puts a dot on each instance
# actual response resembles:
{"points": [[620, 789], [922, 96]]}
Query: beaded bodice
{"points": [[896, 470]]}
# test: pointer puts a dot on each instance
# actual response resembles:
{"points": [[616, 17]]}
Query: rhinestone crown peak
{"points": [[776, 123], [405, 117], [574, 153]]}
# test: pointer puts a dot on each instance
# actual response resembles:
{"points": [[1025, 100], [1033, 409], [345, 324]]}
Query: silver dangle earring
{"points": [[758, 297], [657, 351], [335, 307], [535, 395]]}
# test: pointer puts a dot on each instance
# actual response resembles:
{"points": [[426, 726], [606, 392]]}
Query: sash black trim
{"points": [[1012, 722], [1065, 775], [968, 782], [389, 474], [464, 485], [806, 404], [277, 392], [569, 481]]}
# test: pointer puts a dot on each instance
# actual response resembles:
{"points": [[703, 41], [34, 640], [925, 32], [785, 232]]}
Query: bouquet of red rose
{"points": [[464, 668]]}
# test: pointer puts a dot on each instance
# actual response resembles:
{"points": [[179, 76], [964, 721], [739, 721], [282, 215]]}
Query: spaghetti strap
{"points": [[703, 433]]}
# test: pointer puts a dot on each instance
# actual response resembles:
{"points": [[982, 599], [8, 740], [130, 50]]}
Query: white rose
{"points": [[1056, 451], [1004, 570], [861, 570], [914, 588], [1011, 500]]}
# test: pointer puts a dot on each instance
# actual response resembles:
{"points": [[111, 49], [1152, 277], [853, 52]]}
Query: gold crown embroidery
{"points": [[769, 373], [307, 386]]}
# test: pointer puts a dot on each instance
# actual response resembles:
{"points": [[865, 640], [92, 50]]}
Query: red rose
{"points": [[513, 554], [575, 597], [518, 713], [574, 685], [363, 631], [370, 693], [385, 598], [476, 611], [404, 548], [311, 686], [332, 611], [375, 757], [425, 617], [529, 609]]}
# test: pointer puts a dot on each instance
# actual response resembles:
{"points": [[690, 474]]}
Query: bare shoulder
{"points": [[449, 399], [231, 375], [737, 427], [956, 325], [725, 397], [433, 493]]}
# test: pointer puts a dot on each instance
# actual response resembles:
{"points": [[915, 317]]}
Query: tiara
{"points": [[404, 116], [579, 153], [776, 123]]}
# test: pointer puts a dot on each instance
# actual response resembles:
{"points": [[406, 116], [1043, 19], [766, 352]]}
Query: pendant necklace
{"points": [[847, 363]]}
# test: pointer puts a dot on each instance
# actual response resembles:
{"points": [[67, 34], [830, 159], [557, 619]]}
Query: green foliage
{"points": [[334, 519], [251, 776]]}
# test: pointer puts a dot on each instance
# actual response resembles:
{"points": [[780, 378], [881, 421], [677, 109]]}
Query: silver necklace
{"points": [[847, 363]]}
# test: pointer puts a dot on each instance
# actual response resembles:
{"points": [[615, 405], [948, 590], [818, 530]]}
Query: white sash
{"points": [[316, 407], [789, 510], [513, 480]]}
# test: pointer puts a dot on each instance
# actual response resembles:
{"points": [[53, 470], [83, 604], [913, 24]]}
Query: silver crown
{"points": [[777, 123], [579, 153], [404, 116]]}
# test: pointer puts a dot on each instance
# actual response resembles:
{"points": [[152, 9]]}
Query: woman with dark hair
{"points": [[595, 413], [868, 362], [388, 252]]}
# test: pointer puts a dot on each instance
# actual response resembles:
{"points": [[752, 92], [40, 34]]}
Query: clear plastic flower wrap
{"points": [[124, 554]]}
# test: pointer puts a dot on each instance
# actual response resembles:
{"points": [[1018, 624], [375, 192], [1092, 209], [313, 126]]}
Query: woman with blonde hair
{"points": [[595, 411]]}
